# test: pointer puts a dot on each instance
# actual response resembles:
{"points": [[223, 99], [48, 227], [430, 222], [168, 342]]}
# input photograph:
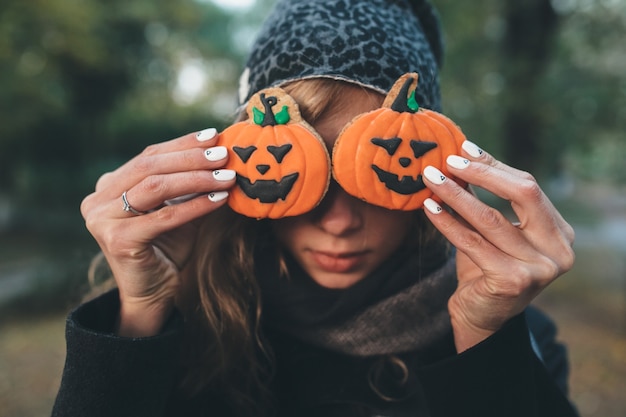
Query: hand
{"points": [[501, 266], [147, 252]]}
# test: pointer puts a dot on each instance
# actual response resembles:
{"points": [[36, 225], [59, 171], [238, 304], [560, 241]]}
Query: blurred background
{"points": [[86, 84]]}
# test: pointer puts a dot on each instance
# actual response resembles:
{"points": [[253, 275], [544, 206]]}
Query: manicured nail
{"points": [[206, 134], [216, 153], [432, 206], [224, 174], [457, 162], [434, 175], [218, 196], [472, 149]]}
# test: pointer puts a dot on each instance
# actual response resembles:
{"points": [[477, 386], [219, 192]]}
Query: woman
{"points": [[349, 309]]}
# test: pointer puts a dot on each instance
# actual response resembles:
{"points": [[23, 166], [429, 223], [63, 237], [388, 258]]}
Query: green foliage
{"points": [[577, 96], [85, 84]]}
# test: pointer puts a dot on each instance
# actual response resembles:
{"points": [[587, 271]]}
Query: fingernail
{"points": [[472, 149], [224, 174], [218, 196], [206, 134], [432, 206], [434, 175], [457, 162], [216, 153]]}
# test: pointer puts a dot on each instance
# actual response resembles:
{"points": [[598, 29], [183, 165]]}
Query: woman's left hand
{"points": [[501, 266]]}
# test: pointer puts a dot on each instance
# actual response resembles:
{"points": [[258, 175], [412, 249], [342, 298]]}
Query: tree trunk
{"points": [[531, 25]]}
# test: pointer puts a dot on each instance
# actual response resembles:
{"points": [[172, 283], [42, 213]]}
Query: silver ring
{"points": [[129, 208]]}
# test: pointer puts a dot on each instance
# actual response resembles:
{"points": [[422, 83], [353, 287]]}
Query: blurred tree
{"points": [[526, 48], [543, 89], [84, 84], [471, 78], [87, 83], [585, 89]]}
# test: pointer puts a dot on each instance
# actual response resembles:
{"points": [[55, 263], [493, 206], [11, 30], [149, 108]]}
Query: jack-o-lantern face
{"points": [[266, 190], [402, 179], [282, 165], [379, 157]]}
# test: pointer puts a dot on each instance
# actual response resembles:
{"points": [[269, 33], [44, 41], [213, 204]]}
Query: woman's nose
{"points": [[339, 213]]}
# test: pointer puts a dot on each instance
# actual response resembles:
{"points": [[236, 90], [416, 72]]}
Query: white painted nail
{"points": [[457, 162], [216, 153], [224, 174], [434, 175], [432, 206], [472, 149], [206, 134], [218, 196]]}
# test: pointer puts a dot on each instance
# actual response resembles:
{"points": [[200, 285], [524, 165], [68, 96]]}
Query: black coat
{"points": [[106, 375]]}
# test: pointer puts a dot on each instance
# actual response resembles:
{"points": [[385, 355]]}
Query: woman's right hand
{"points": [[146, 253]]}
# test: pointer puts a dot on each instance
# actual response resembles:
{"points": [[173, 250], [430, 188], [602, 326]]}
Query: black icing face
{"points": [[268, 190], [404, 182]]}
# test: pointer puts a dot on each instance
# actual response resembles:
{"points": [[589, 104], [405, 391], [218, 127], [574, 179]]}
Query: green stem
{"points": [[400, 104], [268, 103]]}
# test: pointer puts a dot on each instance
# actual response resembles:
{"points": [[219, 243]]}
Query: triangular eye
{"points": [[279, 152], [420, 148], [390, 145], [244, 153]]}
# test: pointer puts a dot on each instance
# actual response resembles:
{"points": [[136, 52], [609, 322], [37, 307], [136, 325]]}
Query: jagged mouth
{"points": [[267, 191], [405, 186]]}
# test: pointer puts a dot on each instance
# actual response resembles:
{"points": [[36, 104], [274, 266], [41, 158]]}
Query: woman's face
{"points": [[344, 238]]}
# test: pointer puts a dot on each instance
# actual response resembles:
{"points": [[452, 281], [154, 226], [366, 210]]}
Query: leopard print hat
{"points": [[370, 43]]}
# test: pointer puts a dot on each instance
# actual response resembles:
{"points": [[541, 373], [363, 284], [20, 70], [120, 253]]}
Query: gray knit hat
{"points": [[370, 43]]}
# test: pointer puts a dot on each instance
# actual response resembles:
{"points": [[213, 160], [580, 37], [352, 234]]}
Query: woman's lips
{"points": [[338, 262]]}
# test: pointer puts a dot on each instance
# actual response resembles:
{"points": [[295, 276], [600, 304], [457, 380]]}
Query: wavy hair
{"points": [[224, 345]]}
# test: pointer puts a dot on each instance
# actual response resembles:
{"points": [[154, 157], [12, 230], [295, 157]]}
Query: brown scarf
{"points": [[400, 307], [406, 321]]}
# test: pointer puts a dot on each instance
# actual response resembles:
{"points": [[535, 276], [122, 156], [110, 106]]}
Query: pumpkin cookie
{"points": [[282, 164], [379, 157]]}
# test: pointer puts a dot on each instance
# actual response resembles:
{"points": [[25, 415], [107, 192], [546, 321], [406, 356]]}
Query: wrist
{"points": [[466, 333], [467, 336], [141, 319]]}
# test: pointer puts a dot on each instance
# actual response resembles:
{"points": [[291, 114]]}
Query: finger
{"points": [[486, 222], [541, 227], [474, 153], [170, 217], [529, 202], [145, 165], [153, 191], [509, 274], [201, 139], [464, 238], [146, 228], [527, 190]]}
